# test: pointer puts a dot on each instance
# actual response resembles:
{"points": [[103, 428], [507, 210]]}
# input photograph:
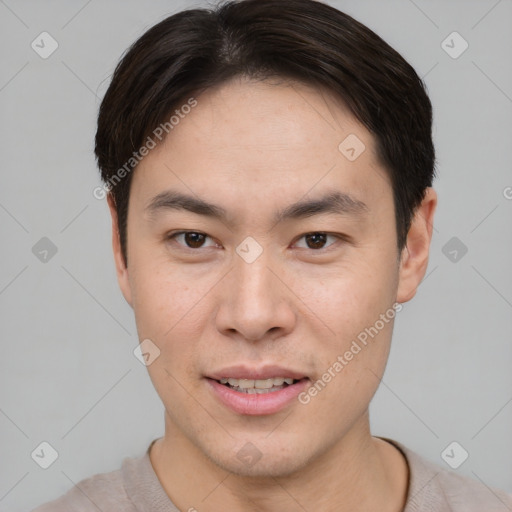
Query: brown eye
{"points": [[194, 240], [191, 239], [316, 240]]}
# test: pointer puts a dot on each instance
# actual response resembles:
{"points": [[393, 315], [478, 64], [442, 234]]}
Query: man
{"points": [[268, 167]]}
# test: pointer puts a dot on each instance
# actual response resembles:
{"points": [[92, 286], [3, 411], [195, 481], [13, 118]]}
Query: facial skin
{"points": [[254, 148]]}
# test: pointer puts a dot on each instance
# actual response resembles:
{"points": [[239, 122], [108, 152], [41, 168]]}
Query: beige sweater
{"points": [[136, 488]]}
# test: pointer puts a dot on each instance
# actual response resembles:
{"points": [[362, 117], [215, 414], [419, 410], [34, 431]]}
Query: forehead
{"points": [[249, 138]]}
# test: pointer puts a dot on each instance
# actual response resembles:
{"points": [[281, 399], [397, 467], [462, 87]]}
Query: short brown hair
{"points": [[304, 40]]}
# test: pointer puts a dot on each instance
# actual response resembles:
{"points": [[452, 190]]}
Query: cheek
{"points": [[164, 297], [172, 309], [353, 308], [169, 311], [347, 297], [350, 366]]}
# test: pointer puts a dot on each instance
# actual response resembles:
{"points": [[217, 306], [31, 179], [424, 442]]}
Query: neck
{"points": [[359, 473]]}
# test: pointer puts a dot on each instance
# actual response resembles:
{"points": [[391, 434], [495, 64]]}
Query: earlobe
{"points": [[121, 269], [414, 257]]}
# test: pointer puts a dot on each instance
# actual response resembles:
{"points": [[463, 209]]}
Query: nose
{"points": [[256, 302]]}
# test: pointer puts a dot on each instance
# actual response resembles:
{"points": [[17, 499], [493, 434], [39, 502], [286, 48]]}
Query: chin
{"points": [[246, 460]]}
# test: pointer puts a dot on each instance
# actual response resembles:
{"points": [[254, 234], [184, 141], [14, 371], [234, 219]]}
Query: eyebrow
{"points": [[332, 202]]}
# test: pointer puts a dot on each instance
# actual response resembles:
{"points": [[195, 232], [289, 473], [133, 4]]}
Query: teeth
{"points": [[250, 384], [245, 383], [254, 391]]}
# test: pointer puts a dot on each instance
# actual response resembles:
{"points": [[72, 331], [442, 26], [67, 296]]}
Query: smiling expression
{"points": [[258, 249]]}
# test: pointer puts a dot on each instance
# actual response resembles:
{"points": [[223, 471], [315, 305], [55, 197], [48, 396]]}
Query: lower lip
{"points": [[257, 404]]}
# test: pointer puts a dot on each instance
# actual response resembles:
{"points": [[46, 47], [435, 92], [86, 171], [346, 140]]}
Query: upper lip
{"points": [[261, 373]]}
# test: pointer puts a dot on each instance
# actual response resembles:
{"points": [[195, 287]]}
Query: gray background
{"points": [[68, 373]]}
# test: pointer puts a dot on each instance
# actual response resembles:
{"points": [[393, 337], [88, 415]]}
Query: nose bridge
{"points": [[253, 283], [254, 301]]}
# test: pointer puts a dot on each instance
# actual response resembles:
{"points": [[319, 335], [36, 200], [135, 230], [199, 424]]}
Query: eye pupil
{"points": [[316, 236], [194, 240], [194, 243]]}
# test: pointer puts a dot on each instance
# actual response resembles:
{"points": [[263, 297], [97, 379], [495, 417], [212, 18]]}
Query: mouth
{"points": [[257, 396], [259, 386]]}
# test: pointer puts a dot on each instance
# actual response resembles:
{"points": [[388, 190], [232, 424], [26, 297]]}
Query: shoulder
{"points": [[434, 488], [102, 491]]}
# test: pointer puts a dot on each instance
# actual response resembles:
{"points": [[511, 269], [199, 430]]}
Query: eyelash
{"points": [[172, 236]]}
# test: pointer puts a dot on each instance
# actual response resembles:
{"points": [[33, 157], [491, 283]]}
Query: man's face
{"points": [[211, 301]]}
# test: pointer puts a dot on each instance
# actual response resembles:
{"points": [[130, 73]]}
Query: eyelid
{"points": [[172, 235], [322, 249]]}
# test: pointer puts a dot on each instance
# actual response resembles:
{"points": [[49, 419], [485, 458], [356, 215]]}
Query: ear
{"points": [[121, 269], [414, 257]]}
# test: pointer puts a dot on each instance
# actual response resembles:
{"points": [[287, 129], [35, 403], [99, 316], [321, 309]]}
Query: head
{"points": [[294, 145]]}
